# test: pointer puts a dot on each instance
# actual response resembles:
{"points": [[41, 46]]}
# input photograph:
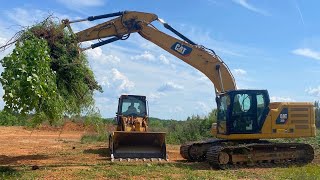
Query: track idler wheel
{"points": [[218, 158], [223, 158]]}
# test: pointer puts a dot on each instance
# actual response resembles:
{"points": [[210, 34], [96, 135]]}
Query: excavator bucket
{"points": [[137, 145]]}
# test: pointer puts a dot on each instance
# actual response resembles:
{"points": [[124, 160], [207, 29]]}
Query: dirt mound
{"points": [[67, 126], [73, 126]]}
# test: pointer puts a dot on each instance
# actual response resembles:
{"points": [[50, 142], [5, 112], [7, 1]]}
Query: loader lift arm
{"points": [[127, 22]]}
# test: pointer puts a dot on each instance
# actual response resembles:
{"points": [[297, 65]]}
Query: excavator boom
{"points": [[120, 28]]}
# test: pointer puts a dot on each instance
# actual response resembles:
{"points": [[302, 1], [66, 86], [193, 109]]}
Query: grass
{"points": [[306, 172], [179, 170], [92, 138]]}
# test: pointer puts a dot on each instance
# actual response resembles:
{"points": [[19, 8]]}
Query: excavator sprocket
{"points": [[225, 156]]}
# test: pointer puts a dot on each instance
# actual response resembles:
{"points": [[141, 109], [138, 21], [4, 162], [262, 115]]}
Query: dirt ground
{"points": [[63, 151], [52, 147]]}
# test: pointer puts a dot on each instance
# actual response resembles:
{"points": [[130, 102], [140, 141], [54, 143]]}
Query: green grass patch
{"points": [[92, 138], [308, 172]]}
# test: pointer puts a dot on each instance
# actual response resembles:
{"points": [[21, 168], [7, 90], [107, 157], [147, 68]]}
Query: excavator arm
{"points": [[127, 22]]}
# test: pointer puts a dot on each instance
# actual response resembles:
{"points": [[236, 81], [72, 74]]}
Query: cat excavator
{"points": [[246, 119]]}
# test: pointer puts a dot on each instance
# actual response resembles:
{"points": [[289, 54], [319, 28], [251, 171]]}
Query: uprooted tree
{"points": [[46, 74]]}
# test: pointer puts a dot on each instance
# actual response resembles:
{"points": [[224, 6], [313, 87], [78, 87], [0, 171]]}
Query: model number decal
{"points": [[181, 49], [283, 116]]}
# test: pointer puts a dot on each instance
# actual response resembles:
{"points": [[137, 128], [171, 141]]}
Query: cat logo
{"points": [[181, 49], [283, 116]]}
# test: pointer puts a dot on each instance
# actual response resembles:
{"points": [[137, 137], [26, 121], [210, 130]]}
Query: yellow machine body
{"points": [[297, 121]]}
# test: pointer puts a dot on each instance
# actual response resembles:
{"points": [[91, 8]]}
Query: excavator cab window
{"points": [[223, 104], [242, 111], [243, 118]]}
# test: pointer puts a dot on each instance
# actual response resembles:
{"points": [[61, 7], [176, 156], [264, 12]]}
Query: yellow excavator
{"points": [[245, 118]]}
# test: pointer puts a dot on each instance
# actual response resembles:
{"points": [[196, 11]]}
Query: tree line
{"points": [[192, 129]]}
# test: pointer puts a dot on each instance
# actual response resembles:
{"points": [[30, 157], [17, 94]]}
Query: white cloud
{"points": [[124, 83], [307, 53], [245, 4], [27, 17], [314, 91], [145, 56], [176, 109], [2, 41], [164, 59], [115, 81], [203, 107], [239, 72], [104, 81], [153, 97], [170, 86], [281, 99], [241, 75], [97, 55], [81, 3]]}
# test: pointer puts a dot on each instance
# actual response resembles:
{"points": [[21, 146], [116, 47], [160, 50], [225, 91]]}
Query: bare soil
{"points": [[63, 154], [54, 147]]}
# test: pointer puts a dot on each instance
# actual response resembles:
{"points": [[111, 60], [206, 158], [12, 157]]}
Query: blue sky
{"points": [[272, 45]]}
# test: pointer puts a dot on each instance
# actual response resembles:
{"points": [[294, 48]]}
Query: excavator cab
{"points": [[132, 138], [242, 111]]}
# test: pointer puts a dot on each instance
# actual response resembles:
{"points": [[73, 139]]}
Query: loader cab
{"points": [[242, 111], [132, 105]]}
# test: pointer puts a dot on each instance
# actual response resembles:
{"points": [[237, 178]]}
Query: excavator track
{"points": [[224, 156], [196, 151], [184, 151]]}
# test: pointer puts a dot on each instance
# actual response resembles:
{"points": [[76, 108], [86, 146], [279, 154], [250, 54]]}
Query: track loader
{"points": [[132, 138], [246, 118]]}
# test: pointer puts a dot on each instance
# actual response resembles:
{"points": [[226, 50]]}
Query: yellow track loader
{"points": [[131, 138]]}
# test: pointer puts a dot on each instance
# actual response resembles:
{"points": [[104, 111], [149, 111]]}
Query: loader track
{"points": [[259, 155]]}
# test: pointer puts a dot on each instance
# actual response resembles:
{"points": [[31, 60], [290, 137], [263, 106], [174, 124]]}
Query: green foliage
{"points": [[8, 119], [94, 120], [47, 75], [28, 81], [194, 128], [91, 138]]}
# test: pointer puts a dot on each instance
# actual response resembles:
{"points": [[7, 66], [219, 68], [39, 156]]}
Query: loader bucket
{"points": [[137, 145]]}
